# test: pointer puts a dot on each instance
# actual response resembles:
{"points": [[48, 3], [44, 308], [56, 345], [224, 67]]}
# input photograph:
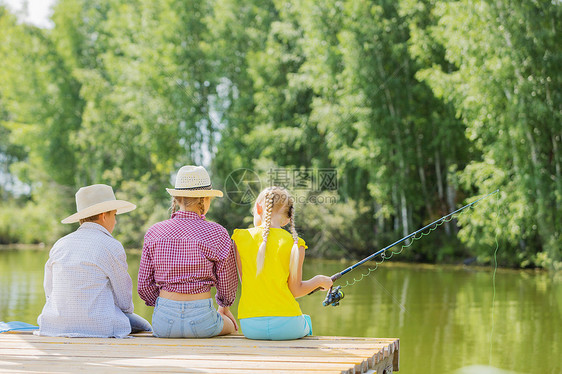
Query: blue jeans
{"points": [[276, 328], [138, 323], [186, 319]]}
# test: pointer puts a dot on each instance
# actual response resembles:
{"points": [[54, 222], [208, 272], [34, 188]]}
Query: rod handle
{"points": [[334, 278]]}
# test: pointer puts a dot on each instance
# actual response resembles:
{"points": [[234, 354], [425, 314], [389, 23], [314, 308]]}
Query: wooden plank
{"points": [[234, 353], [214, 350], [202, 343], [183, 355], [225, 337], [358, 362], [231, 336], [300, 343], [320, 353], [396, 356], [194, 345], [66, 368], [180, 364]]}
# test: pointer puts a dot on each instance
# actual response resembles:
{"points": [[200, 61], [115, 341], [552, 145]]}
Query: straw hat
{"points": [[193, 181], [96, 199]]}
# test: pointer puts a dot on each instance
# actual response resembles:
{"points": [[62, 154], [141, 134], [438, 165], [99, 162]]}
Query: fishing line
{"points": [[384, 256], [335, 295], [402, 307], [494, 276]]}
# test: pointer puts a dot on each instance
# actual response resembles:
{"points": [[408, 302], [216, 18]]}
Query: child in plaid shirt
{"points": [[182, 258]]}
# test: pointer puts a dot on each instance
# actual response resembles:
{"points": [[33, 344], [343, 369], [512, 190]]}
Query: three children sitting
{"points": [[89, 291]]}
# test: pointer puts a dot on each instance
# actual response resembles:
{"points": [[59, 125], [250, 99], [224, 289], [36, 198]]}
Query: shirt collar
{"points": [[94, 226], [182, 214]]}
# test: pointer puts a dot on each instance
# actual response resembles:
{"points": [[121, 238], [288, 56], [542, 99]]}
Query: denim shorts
{"points": [[186, 319], [276, 328]]}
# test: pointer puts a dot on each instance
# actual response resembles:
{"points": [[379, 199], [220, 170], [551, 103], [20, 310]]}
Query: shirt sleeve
{"points": [[302, 243], [236, 237], [225, 267], [147, 288], [121, 283], [48, 280]]}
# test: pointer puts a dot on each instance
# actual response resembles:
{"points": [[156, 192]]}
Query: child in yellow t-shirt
{"points": [[270, 263]]}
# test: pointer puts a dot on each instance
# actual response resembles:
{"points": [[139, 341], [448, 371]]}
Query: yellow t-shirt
{"points": [[268, 294]]}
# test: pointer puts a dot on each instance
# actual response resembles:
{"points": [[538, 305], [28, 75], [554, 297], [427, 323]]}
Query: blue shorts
{"points": [[186, 319], [276, 328]]}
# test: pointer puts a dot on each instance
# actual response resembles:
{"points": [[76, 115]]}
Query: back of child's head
{"points": [[277, 200], [182, 202]]}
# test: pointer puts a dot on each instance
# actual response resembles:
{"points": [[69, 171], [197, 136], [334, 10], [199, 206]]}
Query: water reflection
{"points": [[21, 285], [445, 317]]}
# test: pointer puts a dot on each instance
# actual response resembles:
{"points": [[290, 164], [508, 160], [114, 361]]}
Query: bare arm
{"points": [[225, 311], [238, 262], [300, 288]]}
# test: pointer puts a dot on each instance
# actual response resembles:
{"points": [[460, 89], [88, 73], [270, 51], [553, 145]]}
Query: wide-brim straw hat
{"points": [[193, 181], [96, 199]]}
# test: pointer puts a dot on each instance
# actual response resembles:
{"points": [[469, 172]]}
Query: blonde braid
{"points": [[174, 207], [201, 205], [260, 259], [179, 202], [294, 261]]}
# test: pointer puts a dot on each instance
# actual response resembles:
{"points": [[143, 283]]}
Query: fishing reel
{"points": [[333, 297]]}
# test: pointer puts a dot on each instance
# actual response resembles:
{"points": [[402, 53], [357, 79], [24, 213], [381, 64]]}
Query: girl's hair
{"points": [[186, 202], [277, 200]]}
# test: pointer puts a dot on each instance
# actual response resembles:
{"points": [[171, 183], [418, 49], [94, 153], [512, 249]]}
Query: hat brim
{"points": [[194, 193], [121, 206]]}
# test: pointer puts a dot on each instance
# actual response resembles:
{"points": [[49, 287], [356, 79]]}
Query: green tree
{"points": [[417, 105], [507, 63], [395, 142], [39, 104]]}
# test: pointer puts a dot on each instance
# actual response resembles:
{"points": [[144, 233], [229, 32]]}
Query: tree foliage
{"points": [[417, 105], [507, 65]]}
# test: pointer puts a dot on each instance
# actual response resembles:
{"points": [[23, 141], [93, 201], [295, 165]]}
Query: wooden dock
{"points": [[24, 353]]}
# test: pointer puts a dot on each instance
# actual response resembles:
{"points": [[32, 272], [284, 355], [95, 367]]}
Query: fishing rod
{"points": [[335, 295]]}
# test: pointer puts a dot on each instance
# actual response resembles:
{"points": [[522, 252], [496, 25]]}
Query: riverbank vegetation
{"points": [[381, 116]]}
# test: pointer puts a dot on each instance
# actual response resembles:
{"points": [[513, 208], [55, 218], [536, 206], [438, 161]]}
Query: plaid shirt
{"points": [[187, 254]]}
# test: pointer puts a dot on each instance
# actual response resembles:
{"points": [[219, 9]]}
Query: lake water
{"points": [[444, 316]]}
